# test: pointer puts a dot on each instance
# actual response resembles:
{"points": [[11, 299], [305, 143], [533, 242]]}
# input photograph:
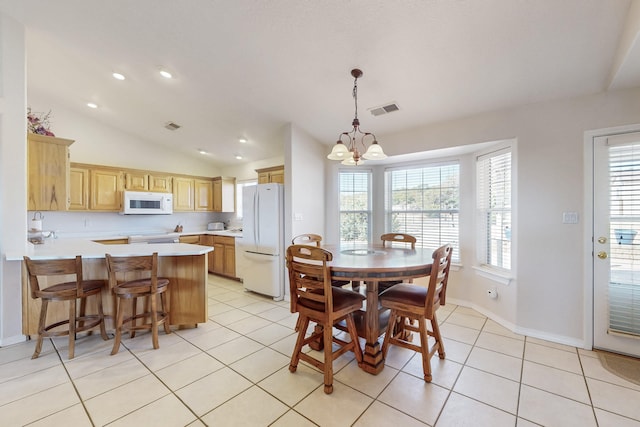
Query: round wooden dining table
{"points": [[372, 264]]}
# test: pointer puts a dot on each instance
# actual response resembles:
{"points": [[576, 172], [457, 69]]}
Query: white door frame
{"points": [[587, 223]]}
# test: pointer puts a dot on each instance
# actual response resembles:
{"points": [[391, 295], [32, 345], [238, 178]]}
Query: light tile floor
{"points": [[233, 370]]}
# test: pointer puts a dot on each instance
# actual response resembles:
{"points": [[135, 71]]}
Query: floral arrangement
{"points": [[38, 122]]}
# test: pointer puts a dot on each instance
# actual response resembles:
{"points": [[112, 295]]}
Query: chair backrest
{"points": [[398, 237], [438, 279], [53, 267], [307, 239], [309, 275], [133, 264]]}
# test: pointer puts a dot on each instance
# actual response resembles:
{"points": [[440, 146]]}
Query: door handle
{"points": [[602, 255], [602, 240]]}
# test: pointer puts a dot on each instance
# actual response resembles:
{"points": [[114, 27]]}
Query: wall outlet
{"points": [[492, 293]]}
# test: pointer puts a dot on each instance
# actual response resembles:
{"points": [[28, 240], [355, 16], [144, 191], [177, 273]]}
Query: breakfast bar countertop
{"points": [[69, 248]]}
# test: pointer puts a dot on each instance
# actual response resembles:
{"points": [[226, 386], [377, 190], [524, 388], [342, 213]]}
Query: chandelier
{"points": [[350, 153]]}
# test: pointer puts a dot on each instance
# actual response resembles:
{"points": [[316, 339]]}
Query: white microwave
{"points": [[146, 203]]}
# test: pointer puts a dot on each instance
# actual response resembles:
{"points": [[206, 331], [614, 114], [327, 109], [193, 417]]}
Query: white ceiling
{"points": [[248, 67]]}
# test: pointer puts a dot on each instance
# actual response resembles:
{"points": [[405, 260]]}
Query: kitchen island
{"points": [[185, 265]]}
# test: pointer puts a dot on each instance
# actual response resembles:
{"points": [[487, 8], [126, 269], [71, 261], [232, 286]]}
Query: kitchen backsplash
{"points": [[80, 224]]}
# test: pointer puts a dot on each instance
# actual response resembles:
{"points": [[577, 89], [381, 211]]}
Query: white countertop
{"points": [[69, 248]]}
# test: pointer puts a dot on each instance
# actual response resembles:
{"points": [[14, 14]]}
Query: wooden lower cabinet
{"points": [[222, 260], [194, 239]]}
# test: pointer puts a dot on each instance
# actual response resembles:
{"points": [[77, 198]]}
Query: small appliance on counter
{"points": [[34, 234], [215, 226]]}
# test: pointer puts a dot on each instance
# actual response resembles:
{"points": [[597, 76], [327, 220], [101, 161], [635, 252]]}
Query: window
{"points": [[355, 207], [494, 209], [424, 201], [239, 187]]}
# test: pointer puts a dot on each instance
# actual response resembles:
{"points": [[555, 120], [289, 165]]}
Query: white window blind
{"points": [[494, 209], [355, 206], [424, 201], [624, 253]]}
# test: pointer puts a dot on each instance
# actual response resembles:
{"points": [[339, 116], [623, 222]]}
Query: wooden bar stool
{"points": [[71, 291], [132, 287]]}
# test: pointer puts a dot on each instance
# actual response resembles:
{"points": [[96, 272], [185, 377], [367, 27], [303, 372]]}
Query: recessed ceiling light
{"points": [[242, 140], [118, 76], [201, 151], [165, 74], [238, 157], [92, 105]]}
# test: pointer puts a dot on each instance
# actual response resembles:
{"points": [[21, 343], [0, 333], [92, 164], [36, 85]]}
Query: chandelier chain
{"points": [[355, 95]]}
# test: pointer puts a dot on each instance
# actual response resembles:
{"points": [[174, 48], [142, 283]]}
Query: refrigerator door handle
{"points": [[255, 217]]}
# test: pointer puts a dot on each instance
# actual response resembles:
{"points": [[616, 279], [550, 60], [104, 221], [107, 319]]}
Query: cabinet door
{"points": [[277, 176], [263, 178], [193, 239], [106, 190], [47, 173], [204, 195], [218, 258], [229, 268], [224, 194], [78, 189], [217, 195], [160, 183], [136, 181], [207, 240], [183, 197]]}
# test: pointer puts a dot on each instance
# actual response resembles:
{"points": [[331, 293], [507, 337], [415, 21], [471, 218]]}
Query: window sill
{"points": [[491, 274]]}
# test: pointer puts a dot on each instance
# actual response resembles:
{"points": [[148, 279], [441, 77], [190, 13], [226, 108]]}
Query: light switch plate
{"points": [[570, 217]]}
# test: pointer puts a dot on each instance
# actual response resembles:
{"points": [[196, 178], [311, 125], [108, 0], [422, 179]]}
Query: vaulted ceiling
{"points": [[245, 68]]}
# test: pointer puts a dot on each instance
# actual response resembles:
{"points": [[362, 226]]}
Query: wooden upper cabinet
{"points": [[78, 189], [136, 181], [106, 189], [272, 174], [224, 194], [183, 194], [48, 172], [161, 183], [203, 195]]}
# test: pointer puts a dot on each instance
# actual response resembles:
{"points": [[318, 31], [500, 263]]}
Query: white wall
{"points": [[546, 300], [13, 172], [97, 143], [307, 179]]}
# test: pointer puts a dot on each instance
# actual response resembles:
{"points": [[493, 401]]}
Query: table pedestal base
{"points": [[372, 362]]}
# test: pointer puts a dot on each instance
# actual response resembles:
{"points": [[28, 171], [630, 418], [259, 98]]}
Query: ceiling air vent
{"points": [[389, 108], [172, 126]]}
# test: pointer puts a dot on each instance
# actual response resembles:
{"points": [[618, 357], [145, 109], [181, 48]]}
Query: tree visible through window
{"points": [[355, 207], [424, 201], [494, 208]]}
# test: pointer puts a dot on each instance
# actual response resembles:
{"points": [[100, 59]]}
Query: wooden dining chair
{"points": [[314, 299], [314, 240], [307, 239], [417, 303], [390, 240], [71, 291], [138, 279]]}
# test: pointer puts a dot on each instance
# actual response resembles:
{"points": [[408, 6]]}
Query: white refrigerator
{"points": [[262, 248]]}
